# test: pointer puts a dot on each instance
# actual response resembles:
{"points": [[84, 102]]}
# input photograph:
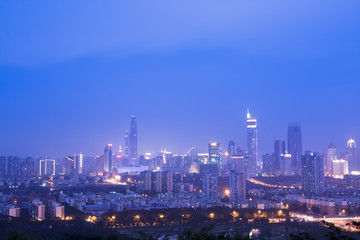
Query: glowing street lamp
{"points": [[227, 192], [212, 215]]}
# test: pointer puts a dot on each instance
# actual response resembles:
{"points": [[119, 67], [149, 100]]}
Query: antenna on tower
{"points": [[248, 113]]}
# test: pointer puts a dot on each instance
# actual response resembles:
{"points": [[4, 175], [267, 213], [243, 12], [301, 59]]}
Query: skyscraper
{"points": [[285, 165], [313, 173], [295, 146], [331, 156], [215, 154], [108, 159], [237, 187], [351, 155], [127, 144], [231, 152], [133, 154], [279, 149], [252, 155]]}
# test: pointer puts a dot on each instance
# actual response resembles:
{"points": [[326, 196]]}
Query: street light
{"points": [[212, 215]]}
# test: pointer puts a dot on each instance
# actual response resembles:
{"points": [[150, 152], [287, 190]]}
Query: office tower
{"points": [[215, 154], [330, 157], [210, 184], [108, 159], [295, 146], [133, 154], [312, 173], [28, 168], [231, 151], [339, 168], [13, 168], [99, 162], [127, 144], [351, 155], [237, 163], [279, 149], [286, 168], [237, 187], [80, 165], [167, 181], [47, 167], [252, 154], [268, 164]]}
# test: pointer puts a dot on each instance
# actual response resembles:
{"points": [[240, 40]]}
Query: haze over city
{"points": [[71, 83]]}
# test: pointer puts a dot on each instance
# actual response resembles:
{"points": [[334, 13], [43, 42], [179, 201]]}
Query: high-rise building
{"points": [[313, 173], [285, 165], [215, 154], [108, 158], [351, 156], [157, 182], [167, 181], [295, 145], [146, 180], [127, 144], [237, 163], [237, 187], [268, 164], [210, 185], [231, 151], [13, 168], [330, 157], [339, 168], [279, 149], [133, 146], [47, 167], [28, 168], [252, 142], [2, 167]]}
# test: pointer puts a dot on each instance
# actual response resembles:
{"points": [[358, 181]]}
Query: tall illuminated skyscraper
{"points": [[295, 146], [108, 159], [351, 156], [215, 154], [252, 142], [331, 156], [133, 151]]}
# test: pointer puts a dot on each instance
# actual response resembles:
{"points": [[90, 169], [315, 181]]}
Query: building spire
{"points": [[248, 113]]}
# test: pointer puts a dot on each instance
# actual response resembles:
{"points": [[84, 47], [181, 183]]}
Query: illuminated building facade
{"points": [[286, 168], [133, 144], [108, 158], [47, 167], [330, 157], [252, 143], [339, 168], [352, 156], [215, 154]]}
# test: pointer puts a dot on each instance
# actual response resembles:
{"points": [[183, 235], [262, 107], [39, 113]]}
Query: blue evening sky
{"points": [[73, 72]]}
